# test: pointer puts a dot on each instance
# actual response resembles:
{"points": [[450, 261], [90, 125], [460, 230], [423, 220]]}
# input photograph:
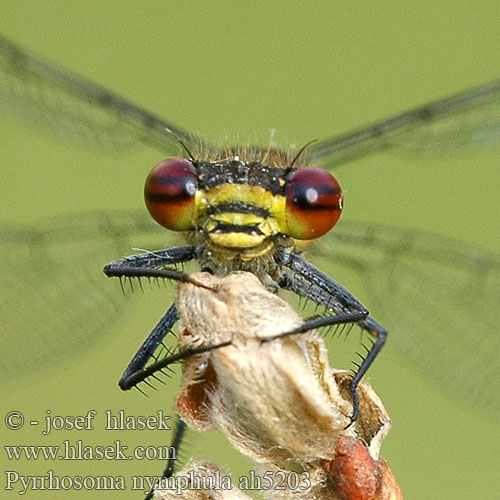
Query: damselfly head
{"points": [[243, 207]]}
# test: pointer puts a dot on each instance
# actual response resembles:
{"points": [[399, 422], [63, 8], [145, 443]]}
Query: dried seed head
{"points": [[199, 481], [274, 401], [278, 402]]}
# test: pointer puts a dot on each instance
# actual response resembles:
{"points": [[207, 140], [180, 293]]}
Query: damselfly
{"points": [[435, 294]]}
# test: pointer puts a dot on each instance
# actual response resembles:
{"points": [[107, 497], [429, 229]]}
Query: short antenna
{"points": [[297, 156], [182, 143]]}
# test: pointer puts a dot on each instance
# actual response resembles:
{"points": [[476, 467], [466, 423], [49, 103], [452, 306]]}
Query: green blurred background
{"points": [[240, 69]]}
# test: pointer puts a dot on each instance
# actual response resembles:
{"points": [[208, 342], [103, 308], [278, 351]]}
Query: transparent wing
{"points": [[467, 120], [437, 297], [43, 94], [55, 298]]}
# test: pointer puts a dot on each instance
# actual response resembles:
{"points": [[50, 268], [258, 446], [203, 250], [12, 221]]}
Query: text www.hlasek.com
{"points": [[79, 451]]}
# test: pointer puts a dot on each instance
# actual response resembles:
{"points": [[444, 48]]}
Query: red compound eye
{"points": [[313, 203], [169, 193]]}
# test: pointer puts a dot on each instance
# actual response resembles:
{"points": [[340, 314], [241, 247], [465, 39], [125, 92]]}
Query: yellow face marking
{"points": [[252, 195], [244, 254], [237, 240]]}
